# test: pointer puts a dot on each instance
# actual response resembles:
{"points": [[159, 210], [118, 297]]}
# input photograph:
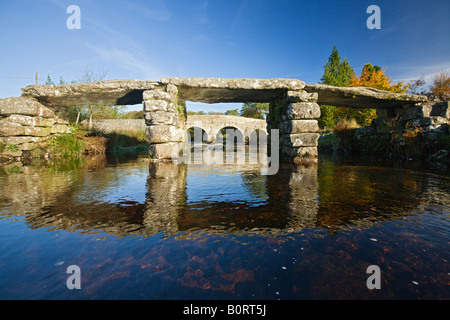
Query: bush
{"points": [[67, 145]]}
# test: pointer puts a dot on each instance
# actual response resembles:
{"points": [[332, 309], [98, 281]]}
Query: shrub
{"points": [[414, 141], [67, 145], [346, 124]]}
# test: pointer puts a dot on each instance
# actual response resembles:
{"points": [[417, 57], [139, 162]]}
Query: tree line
{"points": [[338, 72]]}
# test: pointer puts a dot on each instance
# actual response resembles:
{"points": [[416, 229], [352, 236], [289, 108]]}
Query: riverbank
{"points": [[428, 145], [71, 147]]}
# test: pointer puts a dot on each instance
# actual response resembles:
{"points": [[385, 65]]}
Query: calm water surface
{"points": [[162, 231]]}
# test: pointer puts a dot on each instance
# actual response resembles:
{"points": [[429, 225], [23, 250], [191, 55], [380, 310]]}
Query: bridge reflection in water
{"points": [[185, 201]]}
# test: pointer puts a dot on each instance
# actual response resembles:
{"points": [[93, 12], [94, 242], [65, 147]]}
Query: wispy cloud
{"points": [[128, 61], [238, 16], [413, 72], [133, 59]]}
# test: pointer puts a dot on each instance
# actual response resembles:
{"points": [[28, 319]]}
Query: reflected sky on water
{"points": [[142, 230]]}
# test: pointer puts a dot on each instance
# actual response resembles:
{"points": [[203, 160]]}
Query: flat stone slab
{"points": [[24, 106], [108, 93], [214, 90], [217, 90], [362, 97]]}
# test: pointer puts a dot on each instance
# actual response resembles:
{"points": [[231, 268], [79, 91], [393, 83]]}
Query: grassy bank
{"points": [[82, 141]]}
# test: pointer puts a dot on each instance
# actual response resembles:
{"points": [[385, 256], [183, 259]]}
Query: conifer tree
{"points": [[339, 74]]}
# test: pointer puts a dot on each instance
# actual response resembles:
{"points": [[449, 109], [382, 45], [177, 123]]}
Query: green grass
{"points": [[12, 148], [68, 145]]}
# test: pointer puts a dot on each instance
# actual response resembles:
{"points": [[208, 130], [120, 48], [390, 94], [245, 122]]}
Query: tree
{"points": [[134, 115], [89, 76], [215, 113], [374, 77], [339, 74], [441, 87], [234, 112], [49, 80], [416, 86], [254, 110], [196, 113]]}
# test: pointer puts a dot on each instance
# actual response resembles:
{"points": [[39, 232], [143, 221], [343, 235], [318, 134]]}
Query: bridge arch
{"points": [[230, 135], [197, 135], [213, 124]]}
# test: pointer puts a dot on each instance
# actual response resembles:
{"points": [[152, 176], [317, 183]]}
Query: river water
{"points": [[138, 230]]}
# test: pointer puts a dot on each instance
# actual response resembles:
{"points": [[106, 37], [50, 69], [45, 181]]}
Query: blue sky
{"points": [[151, 39]]}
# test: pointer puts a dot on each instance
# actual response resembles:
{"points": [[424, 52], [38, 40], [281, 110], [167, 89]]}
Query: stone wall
{"points": [[26, 124], [117, 125], [418, 129]]}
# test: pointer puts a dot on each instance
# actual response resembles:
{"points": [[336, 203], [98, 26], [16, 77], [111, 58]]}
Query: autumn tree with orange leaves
{"points": [[374, 77], [441, 87]]}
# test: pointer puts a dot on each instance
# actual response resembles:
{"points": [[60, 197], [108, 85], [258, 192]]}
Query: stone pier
{"points": [[295, 115], [165, 117]]}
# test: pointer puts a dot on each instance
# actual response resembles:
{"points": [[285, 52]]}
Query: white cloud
{"points": [[129, 62], [407, 73]]}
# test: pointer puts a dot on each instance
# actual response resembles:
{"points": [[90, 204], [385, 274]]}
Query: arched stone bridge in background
{"points": [[294, 109], [212, 125]]}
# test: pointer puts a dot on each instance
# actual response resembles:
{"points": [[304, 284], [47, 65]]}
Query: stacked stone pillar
{"points": [[165, 120], [295, 115], [27, 124]]}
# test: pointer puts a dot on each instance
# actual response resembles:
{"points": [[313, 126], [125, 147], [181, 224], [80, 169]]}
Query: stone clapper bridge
{"points": [[294, 109]]}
